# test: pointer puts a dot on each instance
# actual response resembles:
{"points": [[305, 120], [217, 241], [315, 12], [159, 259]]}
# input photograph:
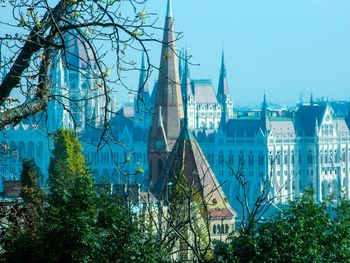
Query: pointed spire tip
{"points": [[169, 12]]}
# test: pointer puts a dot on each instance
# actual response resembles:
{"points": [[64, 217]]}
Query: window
{"points": [[309, 157], [292, 158], [240, 159], [214, 229], [221, 158], [261, 159], [251, 159], [278, 158], [285, 157], [230, 158]]}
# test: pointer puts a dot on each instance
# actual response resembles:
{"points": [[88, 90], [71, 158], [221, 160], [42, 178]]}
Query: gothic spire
{"points": [[223, 90], [143, 85], [311, 99], [264, 115], [169, 91], [186, 88], [169, 10], [181, 60], [169, 98]]}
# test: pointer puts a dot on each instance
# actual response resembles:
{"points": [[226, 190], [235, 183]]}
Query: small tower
{"points": [[311, 99], [347, 117], [168, 97], [59, 117], [264, 116], [187, 92], [142, 103], [223, 94]]}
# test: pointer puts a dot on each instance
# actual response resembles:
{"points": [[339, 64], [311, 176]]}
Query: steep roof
{"points": [[204, 92], [243, 127], [282, 128], [306, 117], [188, 159]]}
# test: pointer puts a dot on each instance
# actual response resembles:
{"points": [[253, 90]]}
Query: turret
{"points": [[142, 101], [264, 116], [223, 93]]}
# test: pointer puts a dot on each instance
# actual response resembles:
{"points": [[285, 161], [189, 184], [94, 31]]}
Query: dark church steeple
{"points": [[168, 97]]}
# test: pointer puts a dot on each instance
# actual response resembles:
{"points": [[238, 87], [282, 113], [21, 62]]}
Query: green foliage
{"points": [[29, 181], [120, 237], [75, 225], [21, 239], [306, 231]]}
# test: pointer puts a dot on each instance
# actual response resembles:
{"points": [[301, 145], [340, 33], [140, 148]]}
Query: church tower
{"points": [[223, 93], [168, 99]]}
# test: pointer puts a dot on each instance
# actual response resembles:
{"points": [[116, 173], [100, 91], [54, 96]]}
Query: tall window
{"points": [[251, 159], [221, 158], [230, 158], [285, 157], [240, 159], [261, 159], [309, 157]]}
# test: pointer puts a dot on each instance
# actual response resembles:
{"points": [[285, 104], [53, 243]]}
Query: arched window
{"points": [[222, 231], [230, 158], [221, 158], [309, 157], [240, 158], [278, 158], [251, 158], [214, 229], [261, 159], [22, 149], [39, 150], [285, 157], [218, 229], [31, 151]]}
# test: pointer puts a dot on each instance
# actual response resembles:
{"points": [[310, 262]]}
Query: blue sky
{"points": [[282, 47]]}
